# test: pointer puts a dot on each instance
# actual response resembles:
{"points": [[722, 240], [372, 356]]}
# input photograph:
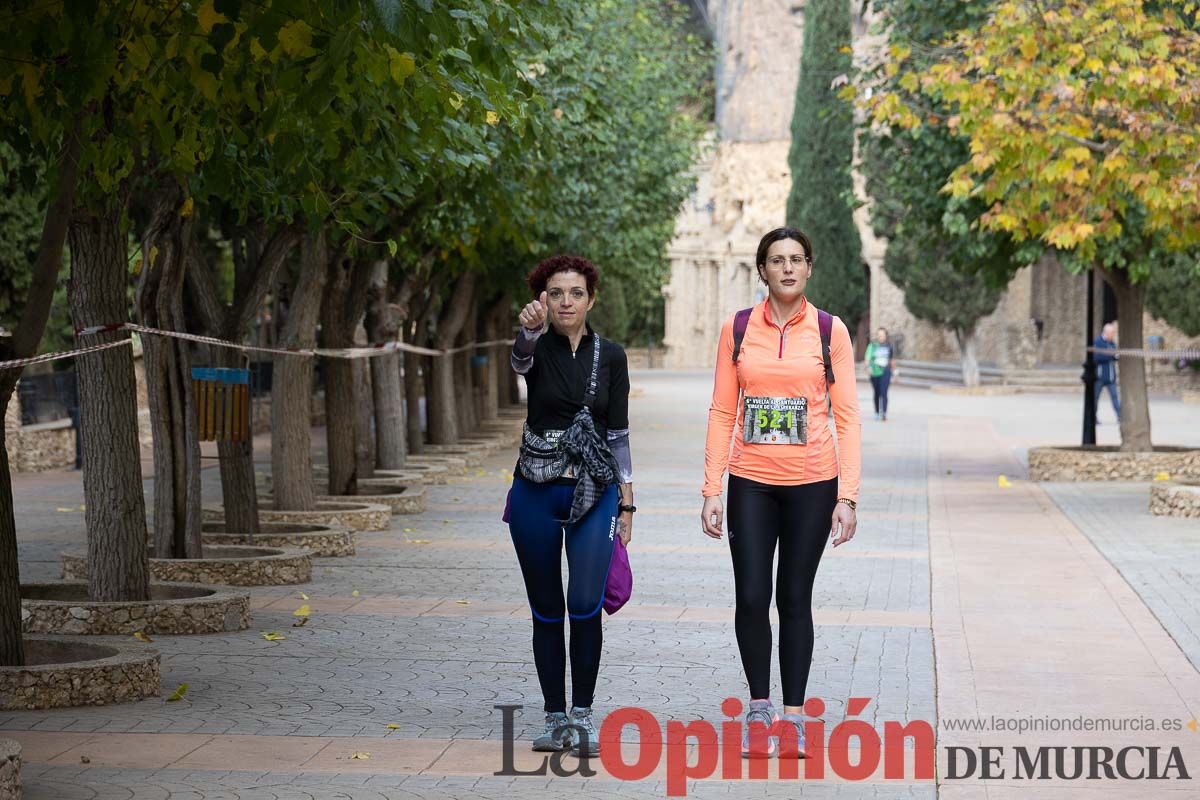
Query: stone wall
{"points": [[10, 769], [36, 448], [65, 672]]}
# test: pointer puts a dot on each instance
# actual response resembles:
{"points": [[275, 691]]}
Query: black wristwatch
{"points": [[623, 508]]}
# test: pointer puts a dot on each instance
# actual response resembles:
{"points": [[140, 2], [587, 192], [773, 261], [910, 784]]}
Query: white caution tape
{"points": [[1169, 355], [42, 359], [369, 352]]}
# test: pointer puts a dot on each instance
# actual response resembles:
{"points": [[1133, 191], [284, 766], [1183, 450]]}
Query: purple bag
{"points": [[619, 585]]}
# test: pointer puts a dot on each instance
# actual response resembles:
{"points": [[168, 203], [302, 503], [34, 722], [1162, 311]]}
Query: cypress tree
{"points": [[821, 200]]}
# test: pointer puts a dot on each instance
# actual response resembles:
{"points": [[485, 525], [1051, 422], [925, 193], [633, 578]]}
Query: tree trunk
{"points": [[364, 445], [12, 650], [967, 354], [118, 566], [238, 489], [423, 306], [341, 310], [390, 449], [493, 329], [168, 380], [22, 344], [412, 403], [292, 385], [468, 417], [1131, 372], [383, 325], [441, 406]]}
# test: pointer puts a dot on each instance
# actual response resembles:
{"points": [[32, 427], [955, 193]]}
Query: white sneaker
{"points": [[761, 713], [558, 736], [587, 738]]}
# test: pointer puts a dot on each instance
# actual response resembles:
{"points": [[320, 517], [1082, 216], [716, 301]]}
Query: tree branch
{"points": [[29, 330]]}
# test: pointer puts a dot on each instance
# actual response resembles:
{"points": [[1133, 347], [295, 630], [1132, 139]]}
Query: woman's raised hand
{"points": [[533, 316]]}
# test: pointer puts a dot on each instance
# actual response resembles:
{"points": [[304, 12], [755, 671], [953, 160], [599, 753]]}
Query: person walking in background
{"points": [[881, 364], [1106, 366]]}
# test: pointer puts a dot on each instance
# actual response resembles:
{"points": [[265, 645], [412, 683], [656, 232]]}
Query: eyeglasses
{"points": [[556, 295], [777, 262]]}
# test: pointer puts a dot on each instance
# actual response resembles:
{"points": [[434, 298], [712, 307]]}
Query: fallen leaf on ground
{"points": [[303, 596], [410, 530], [84, 760], [1004, 482], [178, 693], [141, 637], [66, 510], [355, 593], [391, 726], [272, 636], [463, 602], [1162, 476], [302, 611], [417, 541], [361, 756]]}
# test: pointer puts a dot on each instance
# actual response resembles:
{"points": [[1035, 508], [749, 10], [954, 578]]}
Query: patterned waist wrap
{"points": [[580, 449]]}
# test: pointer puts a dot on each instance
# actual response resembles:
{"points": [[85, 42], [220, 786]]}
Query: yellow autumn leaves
{"points": [[1072, 110]]}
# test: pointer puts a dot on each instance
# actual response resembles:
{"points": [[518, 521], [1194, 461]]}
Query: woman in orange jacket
{"points": [[789, 481]]}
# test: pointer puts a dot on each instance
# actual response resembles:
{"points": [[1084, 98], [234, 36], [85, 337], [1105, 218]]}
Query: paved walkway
{"points": [[958, 599]]}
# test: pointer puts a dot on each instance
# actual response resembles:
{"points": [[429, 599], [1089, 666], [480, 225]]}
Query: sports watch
{"points": [[623, 507]]}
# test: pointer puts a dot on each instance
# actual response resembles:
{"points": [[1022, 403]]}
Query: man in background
{"points": [[1106, 366]]}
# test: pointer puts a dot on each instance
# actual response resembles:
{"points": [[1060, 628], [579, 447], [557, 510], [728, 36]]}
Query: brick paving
{"points": [[429, 637]]}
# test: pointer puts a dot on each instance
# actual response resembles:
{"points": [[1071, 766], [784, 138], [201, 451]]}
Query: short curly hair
{"points": [[542, 273]]}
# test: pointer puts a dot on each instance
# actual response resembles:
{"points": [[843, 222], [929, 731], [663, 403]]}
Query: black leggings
{"points": [[798, 518], [535, 514]]}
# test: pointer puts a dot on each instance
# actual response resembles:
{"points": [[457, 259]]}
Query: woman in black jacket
{"points": [[573, 482]]}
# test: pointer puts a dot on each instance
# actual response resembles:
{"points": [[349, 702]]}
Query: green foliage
{"points": [[20, 230], [473, 134], [600, 171], [1171, 277], [935, 290], [821, 200], [952, 273], [1173, 295], [625, 145]]}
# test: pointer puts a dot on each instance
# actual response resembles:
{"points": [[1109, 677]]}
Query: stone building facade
{"points": [[741, 193]]}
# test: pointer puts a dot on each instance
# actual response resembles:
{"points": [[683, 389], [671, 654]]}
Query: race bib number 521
{"points": [[775, 420]]}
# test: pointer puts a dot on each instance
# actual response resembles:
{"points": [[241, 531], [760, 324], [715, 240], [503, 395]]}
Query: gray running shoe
{"points": [[587, 738], [558, 735], [762, 712], [785, 747]]}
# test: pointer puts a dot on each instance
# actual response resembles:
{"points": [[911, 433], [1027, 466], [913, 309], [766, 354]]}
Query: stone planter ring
{"points": [[175, 608]]}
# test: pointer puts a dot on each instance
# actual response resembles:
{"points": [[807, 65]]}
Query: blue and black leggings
{"points": [[536, 511]]}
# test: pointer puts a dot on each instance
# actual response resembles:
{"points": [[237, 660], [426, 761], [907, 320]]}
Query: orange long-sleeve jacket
{"points": [[785, 361]]}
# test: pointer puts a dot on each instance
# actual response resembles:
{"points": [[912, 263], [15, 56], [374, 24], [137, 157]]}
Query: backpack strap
{"points": [[589, 395], [740, 321], [825, 323]]}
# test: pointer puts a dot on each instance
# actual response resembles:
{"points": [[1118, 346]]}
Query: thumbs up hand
{"points": [[533, 316]]}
